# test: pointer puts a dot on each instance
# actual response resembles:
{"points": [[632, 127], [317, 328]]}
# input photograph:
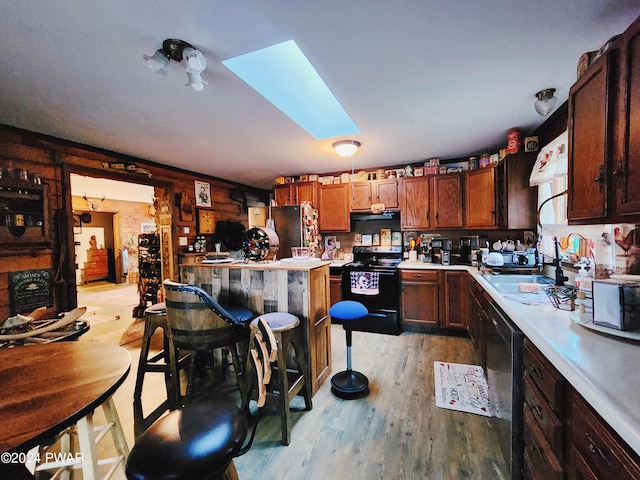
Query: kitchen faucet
{"points": [[560, 276]]}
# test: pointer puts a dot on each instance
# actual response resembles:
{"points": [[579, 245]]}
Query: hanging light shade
{"points": [[545, 101], [346, 148]]}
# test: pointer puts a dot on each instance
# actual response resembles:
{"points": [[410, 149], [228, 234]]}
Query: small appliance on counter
{"points": [[469, 246], [616, 304], [441, 250]]}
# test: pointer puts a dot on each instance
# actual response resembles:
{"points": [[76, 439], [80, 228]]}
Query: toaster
{"points": [[616, 304]]}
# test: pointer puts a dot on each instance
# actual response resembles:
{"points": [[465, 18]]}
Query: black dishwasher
{"points": [[504, 352]]}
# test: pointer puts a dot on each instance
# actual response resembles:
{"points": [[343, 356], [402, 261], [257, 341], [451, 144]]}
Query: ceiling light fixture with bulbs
{"points": [[346, 148], [545, 101], [182, 52]]}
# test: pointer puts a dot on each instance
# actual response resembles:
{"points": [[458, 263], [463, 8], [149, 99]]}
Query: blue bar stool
{"points": [[349, 384]]}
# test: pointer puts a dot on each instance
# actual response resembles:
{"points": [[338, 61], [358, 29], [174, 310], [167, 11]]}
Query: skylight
{"points": [[284, 76]]}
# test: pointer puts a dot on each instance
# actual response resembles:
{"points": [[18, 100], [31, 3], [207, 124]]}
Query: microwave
{"points": [[616, 304]]}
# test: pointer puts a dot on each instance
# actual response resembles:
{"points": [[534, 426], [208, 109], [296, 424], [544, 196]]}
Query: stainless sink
{"points": [[511, 283]]}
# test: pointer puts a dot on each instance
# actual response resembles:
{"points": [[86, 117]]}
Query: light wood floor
{"points": [[394, 433]]}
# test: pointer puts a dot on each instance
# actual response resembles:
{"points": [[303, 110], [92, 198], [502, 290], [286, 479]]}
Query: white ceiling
{"points": [[420, 78]]}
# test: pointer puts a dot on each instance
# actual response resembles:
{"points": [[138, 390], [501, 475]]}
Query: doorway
{"points": [[108, 216]]}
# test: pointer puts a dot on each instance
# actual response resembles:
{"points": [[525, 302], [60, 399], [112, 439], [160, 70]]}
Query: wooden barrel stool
{"points": [[348, 384], [286, 381]]}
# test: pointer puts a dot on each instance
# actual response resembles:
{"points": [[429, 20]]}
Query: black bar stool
{"points": [[349, 384]]}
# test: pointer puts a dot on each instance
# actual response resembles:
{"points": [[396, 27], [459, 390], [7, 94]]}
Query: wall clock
{"points": [[206, 223]]}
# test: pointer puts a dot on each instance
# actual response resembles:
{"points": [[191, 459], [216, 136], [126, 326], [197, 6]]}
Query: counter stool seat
{"points": [[286, 381], [349, 384]]}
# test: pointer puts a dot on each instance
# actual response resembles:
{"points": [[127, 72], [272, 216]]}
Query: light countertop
{"points": [[285, 264], [602, 368]]}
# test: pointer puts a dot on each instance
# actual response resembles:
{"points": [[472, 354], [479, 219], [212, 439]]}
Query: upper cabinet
{"points": [[604, 136], [446, 194], [333, 207], [500, 196], [24, 214], [414, 203], [367, 193], [296, 193]]}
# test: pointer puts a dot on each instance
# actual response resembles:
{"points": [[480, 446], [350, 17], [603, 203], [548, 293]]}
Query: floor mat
{"points": [[461, 387]]}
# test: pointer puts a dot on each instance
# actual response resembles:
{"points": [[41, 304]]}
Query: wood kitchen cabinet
{"points": [[24, 214], [477, 320], [420, 298], [543, 413], [296, 193], [367, 193], [604, 136], [447, 200], [499, 197], [414, 203], [456, 304], [334, 204], [595, 450]]}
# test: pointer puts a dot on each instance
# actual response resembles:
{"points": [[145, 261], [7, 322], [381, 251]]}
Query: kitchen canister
{"points": [[514, 138]]}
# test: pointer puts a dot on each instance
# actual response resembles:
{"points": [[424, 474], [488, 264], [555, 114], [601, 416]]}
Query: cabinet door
{"points": [[456, 300], [361, 196], [414, 201], [319, 327], [589, 120], [282, 195], [626, 167], [333, 208], [335, 288], [420, 298], [306, 192], [447, 201], [480, 195], [387, 193]]}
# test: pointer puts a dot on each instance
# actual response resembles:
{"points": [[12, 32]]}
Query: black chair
{"points": [[200, 441], [198, 323]]}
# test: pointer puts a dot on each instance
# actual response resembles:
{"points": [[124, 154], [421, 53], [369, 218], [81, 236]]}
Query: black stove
{"points": [[375, 257], [373, 279]]}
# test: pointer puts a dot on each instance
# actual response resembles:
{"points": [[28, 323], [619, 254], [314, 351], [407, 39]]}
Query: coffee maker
{"points": [[469, 246], [441, 250]]}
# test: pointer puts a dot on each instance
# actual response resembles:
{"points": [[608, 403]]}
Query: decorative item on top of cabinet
{"points": [[24, 214], [334, 202], [149, 271], [604, 141], [296, 193]]}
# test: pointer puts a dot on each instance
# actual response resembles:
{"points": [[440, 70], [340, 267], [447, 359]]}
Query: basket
{"points": [[563, 298]]}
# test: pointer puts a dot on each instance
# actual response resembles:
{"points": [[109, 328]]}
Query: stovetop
{"points": [[376, 257]]}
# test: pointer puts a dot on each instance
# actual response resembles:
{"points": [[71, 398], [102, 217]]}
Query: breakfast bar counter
{"points": [[300, 288]]}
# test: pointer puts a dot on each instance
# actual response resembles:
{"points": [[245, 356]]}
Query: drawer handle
{"points": [[593, 448], [535, 408], [536, 371]]}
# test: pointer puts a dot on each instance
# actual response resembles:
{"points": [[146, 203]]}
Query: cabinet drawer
{"points": [[419, 275], [605, 454], [537, 407], [541, 373], [539, 457]]}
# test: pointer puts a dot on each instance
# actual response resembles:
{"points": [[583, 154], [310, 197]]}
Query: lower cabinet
{"points": [[595, 450], [434, 298], [543, 412], [477, 321], [335, 288], [420, 297]]}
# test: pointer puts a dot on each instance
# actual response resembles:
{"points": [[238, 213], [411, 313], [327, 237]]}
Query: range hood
{"points": [[369, 216]]}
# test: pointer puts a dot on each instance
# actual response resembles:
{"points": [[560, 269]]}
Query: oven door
{"points": [[379, 291]]}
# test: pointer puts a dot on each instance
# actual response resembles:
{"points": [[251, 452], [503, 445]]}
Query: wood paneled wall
{"points": [[56, 159]]}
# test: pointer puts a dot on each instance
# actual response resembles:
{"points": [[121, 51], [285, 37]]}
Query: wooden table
{"points": [[47, 388]]}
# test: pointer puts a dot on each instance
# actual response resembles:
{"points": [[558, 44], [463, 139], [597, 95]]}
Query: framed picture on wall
{"points": [[205, 222], [203, 194]]}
